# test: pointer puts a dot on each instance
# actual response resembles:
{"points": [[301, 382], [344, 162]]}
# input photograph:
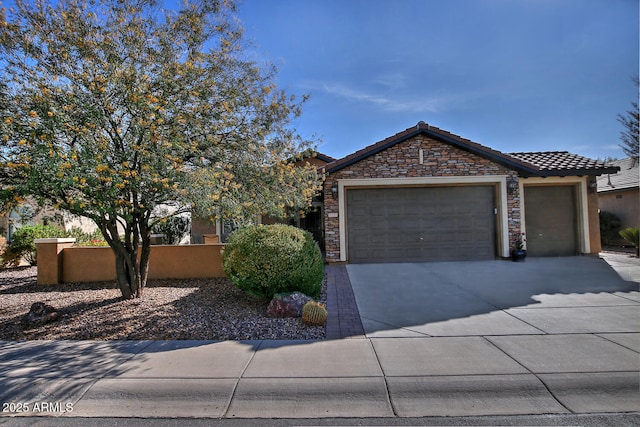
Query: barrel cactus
{"points": [[314, 314]]}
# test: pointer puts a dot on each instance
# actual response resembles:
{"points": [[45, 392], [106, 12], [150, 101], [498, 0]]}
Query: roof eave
{"points": [[346, 162], [576, 172], [505, 160]]}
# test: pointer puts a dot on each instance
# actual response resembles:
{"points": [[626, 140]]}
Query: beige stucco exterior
{"points": [[586, 205], [625, 204], [62, 262]]}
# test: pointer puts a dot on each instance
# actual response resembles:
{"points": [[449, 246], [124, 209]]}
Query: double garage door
{"points": [[421, 224]]}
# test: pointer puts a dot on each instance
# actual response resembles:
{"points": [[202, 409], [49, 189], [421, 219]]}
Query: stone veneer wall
{"points": [[402, 161]]}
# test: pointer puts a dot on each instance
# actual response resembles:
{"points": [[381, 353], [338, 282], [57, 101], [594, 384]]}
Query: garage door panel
{"points": [[551, 220], [420, 224]]}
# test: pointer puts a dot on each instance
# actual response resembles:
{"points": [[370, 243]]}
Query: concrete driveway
{"points": [[498, 298], [544, 336]]}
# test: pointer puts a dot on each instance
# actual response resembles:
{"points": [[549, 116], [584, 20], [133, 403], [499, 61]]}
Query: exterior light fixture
{"points": [[512, 184], [593, 186], [334, 188]]}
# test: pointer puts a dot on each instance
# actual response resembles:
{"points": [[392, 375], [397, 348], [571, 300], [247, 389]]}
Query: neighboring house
{"points": [[425, 194], [29, 214], [619, 193]]}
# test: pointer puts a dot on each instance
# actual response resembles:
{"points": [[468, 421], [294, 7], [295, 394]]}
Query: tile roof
{"points": [[555, 163], [563, 162], [628, 176]]}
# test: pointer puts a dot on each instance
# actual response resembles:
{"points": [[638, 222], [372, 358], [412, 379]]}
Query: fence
{"points": [[60, 261]]}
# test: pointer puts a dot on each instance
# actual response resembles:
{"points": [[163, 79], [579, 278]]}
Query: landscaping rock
{"points": [[287, 304], [40, 314]]}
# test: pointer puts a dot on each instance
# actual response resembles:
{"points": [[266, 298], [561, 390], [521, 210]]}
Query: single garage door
{"points": [[420, 224], [550, 219]]}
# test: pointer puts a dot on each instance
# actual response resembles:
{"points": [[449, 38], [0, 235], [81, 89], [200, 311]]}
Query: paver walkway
{"points": [[344, 319]]}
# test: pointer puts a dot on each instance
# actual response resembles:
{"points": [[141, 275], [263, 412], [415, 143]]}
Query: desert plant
{"points": [[314, 314], [632, 235], [22, 243], [85, 238], [268, 259], [609, 226]]}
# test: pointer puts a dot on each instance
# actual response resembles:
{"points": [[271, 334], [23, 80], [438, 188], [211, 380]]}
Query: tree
{"points": [[112, 109], [629, 136]]}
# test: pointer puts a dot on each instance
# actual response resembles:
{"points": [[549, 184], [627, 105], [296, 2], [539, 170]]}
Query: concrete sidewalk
{"points": [[592, 369], [380, 377]]}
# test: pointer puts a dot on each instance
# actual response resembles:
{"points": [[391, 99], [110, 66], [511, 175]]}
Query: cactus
{"points": [[314, 314]]}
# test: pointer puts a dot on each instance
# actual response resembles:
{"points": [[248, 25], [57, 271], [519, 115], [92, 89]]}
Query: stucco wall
{"points": [[625, 204], [94, 264], [403, 161]]}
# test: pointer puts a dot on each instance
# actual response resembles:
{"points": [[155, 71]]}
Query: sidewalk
{"points": [[399, 377], [567, 373]]}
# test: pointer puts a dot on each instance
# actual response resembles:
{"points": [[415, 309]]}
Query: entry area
{"points": [[416, 224]]}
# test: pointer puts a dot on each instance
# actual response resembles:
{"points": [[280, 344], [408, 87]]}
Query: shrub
{"points": [[268, 259], [632, 235], [84, 238], [23, 246], [609, 225]]}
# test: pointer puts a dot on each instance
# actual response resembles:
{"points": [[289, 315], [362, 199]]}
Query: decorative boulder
{"points": [[41, 313], [287, 304]]}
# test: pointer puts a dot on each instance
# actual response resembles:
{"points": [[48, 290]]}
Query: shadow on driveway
{"points": [[539, 296]]}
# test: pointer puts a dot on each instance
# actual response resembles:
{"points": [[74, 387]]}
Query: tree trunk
{"points": [[132, 272], [132, 266]]}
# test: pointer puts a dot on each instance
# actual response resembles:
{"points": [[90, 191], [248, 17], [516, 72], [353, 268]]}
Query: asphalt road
{"points": [[589, 420]]}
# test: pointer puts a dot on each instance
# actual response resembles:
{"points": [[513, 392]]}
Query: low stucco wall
{"points": [[95, 264]]}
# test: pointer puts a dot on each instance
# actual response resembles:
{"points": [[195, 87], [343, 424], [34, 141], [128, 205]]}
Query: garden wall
{"points": [[59, 261]]}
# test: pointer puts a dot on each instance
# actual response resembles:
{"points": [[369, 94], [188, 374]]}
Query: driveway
{"points": [[572, 295]]}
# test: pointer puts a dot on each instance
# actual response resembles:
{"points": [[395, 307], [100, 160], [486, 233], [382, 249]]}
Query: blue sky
{"points": [[515, 75]]}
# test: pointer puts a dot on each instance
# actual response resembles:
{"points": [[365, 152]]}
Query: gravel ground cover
{"points": [[202, 309]]}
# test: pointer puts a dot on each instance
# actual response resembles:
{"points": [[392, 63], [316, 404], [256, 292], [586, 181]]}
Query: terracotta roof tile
{"points": [[561, 161]]}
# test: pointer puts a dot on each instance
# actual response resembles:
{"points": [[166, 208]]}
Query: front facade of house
{"points": [[425, 194]]}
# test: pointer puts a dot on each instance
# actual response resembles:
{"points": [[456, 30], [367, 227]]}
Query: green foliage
{"points": [[173, 228], [314, 314], [23, 246], [632, 235], [84, 238], [268, 259], [609, 226], [630, 135], [110, 109]]}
